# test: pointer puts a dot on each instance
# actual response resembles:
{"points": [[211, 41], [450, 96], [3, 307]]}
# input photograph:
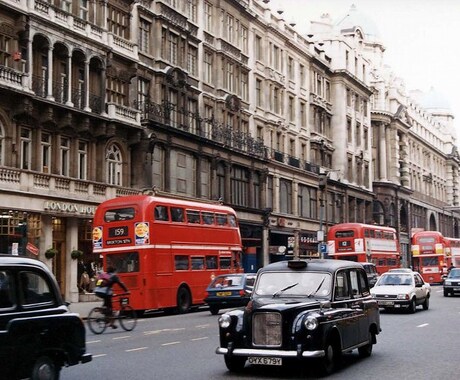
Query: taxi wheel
{"points": [[366, 351], [45, 369], [330, 361], [235, 363]]}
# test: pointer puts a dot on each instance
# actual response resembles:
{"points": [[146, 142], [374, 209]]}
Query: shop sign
{"points": [[70, 208], [32, 249]]}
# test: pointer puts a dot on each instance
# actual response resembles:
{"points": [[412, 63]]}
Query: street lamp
{"points": [[322, 184]]}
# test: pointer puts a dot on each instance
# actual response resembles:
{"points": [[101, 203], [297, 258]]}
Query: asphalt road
{"points": [[411, 346]]}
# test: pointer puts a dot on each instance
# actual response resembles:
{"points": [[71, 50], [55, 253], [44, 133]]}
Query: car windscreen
{"points": [[227, 281], [395, 279], [288, 284], [454, 273]]}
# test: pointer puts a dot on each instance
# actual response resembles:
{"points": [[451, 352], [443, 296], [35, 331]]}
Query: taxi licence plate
{"points": [[264, 361], [223, 294]]}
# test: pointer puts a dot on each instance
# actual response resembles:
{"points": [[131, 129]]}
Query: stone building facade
{"points": [[209, 100]]}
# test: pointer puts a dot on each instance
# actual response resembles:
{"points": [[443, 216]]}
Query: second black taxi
{"points": [[306, 311]]}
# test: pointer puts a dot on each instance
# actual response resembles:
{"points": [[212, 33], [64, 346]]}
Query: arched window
{"points": [[378, 213], [114, 165]]}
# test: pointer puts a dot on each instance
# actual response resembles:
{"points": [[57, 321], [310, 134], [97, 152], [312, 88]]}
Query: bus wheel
{"points": [[183, 300]]}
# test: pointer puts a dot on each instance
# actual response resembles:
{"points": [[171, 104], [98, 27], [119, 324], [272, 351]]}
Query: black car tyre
{"points": [[446, 293], [45, 369], [330, 361], [366, 351], [426, 304], [412, 306], [184, 300], [214, 310], [235, 363]]}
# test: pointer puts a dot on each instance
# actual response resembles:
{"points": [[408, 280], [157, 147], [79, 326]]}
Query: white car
{"points": [[402, 290]]}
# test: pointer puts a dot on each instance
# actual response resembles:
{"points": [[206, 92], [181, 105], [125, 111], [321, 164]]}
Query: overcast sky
{"points": [[422, 38]]}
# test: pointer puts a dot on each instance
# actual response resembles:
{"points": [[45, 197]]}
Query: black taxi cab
{"points": [[307, 311], [38, 333]]}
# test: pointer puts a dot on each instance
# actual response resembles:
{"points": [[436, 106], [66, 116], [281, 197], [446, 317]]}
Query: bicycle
{"points": [[98, 320]]}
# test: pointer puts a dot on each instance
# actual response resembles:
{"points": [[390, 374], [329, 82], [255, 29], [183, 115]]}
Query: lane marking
{"points": [[423, 325], [202, 326], [136, 349], [99, 355], [121, 337], [163, 330], [170, 343], [93, 341], [202, 338]]}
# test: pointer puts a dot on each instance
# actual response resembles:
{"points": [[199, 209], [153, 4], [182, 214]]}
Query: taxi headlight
{"points": [[224, 321], [310, 323]]}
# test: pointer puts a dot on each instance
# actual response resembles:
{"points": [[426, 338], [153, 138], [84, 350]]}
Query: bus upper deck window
{"points": [[177, 214], [161, 213], [193, 216], [221, 219], [208, 217], [119, 214], [232, 220]]}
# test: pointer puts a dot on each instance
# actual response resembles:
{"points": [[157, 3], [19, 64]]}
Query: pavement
{"points": [[83, 308]]}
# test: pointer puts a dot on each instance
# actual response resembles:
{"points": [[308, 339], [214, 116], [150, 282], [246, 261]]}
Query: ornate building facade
{"points": [[209, 100]]}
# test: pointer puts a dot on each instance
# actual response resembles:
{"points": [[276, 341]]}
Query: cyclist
{"points": [[104, 290]]}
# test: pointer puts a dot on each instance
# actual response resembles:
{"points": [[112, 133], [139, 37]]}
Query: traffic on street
{"points": [[410, 346]]}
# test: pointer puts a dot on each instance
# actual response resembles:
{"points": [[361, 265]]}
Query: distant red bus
{"points": [[454, 244], [166, 250], [430, 255], [365, 243]]}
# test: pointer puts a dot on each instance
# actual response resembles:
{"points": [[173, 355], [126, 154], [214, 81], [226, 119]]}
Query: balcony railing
{"points": [[49, 184]]}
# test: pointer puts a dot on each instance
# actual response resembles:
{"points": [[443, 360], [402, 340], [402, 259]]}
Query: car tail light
{"points": [[241, 293]]}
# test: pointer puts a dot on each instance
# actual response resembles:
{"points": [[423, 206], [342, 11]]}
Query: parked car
{"points": [[402, 290], [451, 283], [372, 274], [38, 334], [302, 310], [229, 290]]}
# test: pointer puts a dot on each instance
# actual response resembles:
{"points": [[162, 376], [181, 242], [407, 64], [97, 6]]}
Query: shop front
{"points": [[55, 232]]}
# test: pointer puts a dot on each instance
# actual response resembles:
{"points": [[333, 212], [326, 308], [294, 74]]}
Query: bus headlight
{"points": [[224, 321], [310, 323]]}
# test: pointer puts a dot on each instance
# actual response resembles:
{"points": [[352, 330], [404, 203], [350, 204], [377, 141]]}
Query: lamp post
{"points": [[322, 184]]}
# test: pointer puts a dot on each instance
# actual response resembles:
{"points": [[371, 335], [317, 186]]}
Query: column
{"points": [[383, 152], [71, 291], [49, 79], [87, 79], [69, 81], [27, 83]]}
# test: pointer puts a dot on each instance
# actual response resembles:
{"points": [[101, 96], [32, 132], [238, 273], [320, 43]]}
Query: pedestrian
{"points": [[451, 267]]}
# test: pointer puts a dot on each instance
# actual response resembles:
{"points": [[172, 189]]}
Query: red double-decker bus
{"points": [[454, 244], [430, 255], [166, 250], [365, 243]]}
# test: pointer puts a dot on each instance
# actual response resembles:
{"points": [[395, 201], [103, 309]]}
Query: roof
{"points": [[328, 265], [355, 19]]}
